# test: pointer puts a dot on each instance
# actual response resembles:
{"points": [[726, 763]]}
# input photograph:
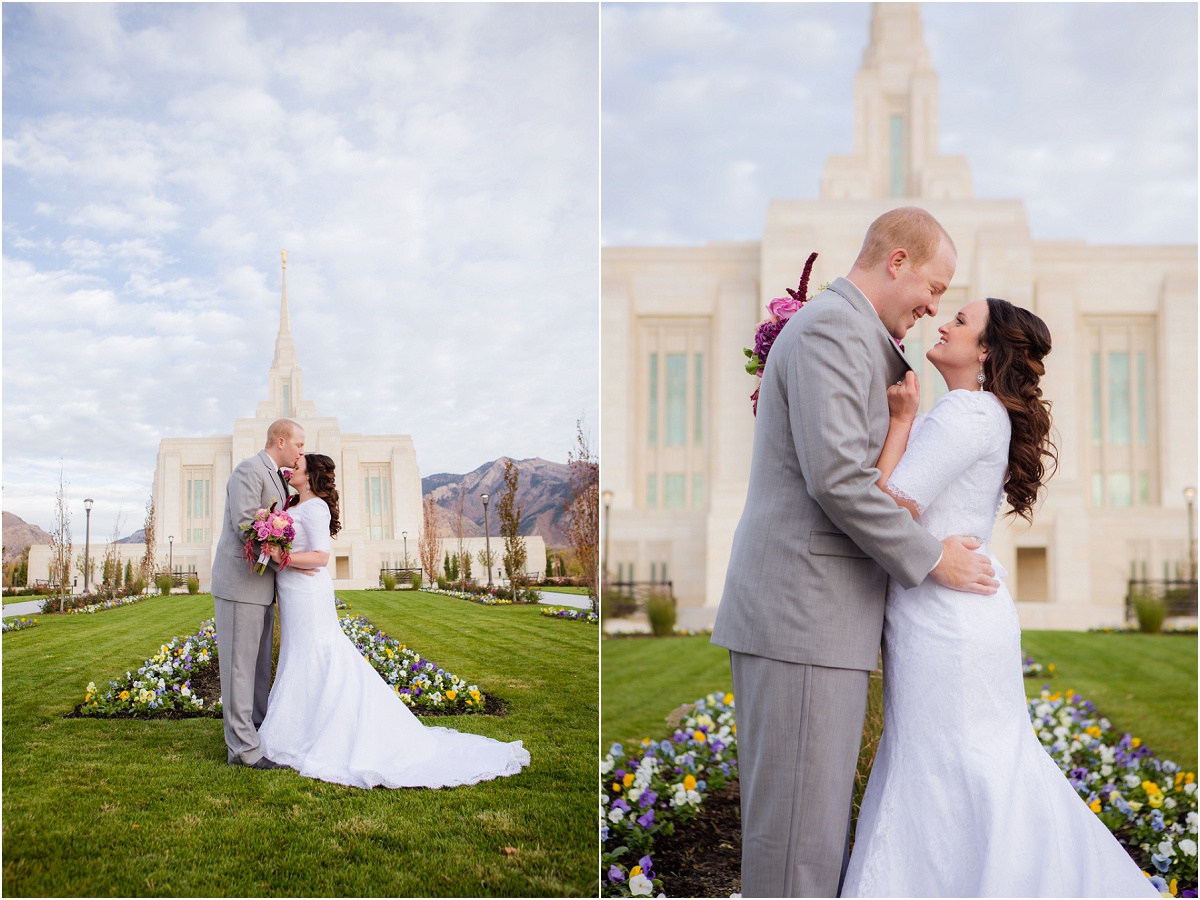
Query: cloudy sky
{"points": [[432, 171], [1085, 111]]}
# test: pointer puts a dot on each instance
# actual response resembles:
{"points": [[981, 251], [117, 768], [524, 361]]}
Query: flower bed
{"points": [[575, 615], [163, 684], [107, 604], [420, 683], [482, 597], [663, 784], [18, 624], [1148, 803], [1032, 668]]}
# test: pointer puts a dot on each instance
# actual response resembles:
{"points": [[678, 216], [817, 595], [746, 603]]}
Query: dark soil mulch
{"points": [[704, 858], [206, 684]]}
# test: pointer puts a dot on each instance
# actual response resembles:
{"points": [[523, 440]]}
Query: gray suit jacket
{"points": [[252, 486], [817, 541]]}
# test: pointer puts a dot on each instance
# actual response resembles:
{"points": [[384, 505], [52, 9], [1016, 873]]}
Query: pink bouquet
{"points": [[780, 310], [268, 527]]}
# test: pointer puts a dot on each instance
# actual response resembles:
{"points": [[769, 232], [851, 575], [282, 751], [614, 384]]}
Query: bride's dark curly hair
{"points": [[1016, 341], [319, 468]]}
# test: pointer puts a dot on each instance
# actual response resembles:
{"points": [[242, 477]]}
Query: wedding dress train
{"points": [[963, 800], [331, 716]]}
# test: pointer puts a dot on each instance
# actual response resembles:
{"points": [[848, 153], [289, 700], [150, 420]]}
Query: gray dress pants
{"points": [[799, 728], [244, 636]]}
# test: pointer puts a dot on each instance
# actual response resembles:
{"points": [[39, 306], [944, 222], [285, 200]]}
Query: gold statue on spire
{"points": [[285, 259]]}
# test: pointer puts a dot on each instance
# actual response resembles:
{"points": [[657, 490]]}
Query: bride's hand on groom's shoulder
{"points": [[963, 569]]}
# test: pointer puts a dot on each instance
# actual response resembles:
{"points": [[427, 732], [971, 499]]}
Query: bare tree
{"points": [[583, 512], [149, 565], [458, 531], [429, 546], [112, 558], [487, 558], [61, 546], [510, 524]]}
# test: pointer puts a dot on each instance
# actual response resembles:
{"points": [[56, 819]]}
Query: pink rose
{"points": [[783, 308], [261, 529]]}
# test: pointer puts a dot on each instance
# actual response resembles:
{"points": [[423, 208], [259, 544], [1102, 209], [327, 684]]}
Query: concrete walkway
{"points": [[24, 608]]}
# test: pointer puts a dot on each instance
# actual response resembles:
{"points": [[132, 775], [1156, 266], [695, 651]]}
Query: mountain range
{"points": [[19, 534], [542, 489]]}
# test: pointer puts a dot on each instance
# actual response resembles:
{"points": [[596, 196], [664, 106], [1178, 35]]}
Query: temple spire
{"points": [[285, 348], [285, 379], [896, 153]]}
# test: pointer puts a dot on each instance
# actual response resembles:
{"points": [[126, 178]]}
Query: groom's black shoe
{"points": [[264, 763]]}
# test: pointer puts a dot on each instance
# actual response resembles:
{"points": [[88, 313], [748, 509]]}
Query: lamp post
{"points": [[87, 541], [171, 554], [487, 537], [608, 498], [404, 534], [1189, 494]]}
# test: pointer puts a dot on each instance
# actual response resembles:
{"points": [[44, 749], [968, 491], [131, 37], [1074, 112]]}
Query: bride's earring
{"points": [[979, 378]]}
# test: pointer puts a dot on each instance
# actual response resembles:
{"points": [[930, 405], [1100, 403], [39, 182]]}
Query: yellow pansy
{"points": [[124, 695], [1173, 887], [1150, 787], [628, 779], [388, 651], [1095, 805], [636, 870], [1093, 730], [1136, 742], [616, 787], [1189, 778], [1050, 666], [689, 783], [699, 736], [728, 699], [451, 694]]}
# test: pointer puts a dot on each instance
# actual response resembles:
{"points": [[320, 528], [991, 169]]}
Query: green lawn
{"points": [[567, 589], [1144, 684], [121, 807], [644, 678]]}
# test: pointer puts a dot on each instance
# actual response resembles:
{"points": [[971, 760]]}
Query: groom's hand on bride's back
{"points": [[963, 569]]}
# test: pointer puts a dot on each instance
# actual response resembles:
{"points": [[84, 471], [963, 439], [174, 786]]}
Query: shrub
{"points": [[415, 581], [139, 586], [660, 609], [443, 583], [617, 604], [193, 584], [389, 581], [164, 583], [1150, 612]]}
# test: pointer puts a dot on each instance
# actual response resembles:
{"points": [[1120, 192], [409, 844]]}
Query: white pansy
{"points": [[633, 794], [1132, 781], [1166, 848], [616, 815], [1188, 846], [1189, 788], [1105, 770], [606, 766], [640, 885]]}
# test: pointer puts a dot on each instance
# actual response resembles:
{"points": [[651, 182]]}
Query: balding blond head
{"points": [[280, 428], [909, 228]]}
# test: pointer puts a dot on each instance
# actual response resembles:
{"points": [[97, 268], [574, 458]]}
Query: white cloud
{"points": [[1086, 111], [431, 169]]}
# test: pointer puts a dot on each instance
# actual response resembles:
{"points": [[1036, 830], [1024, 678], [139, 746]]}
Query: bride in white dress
{"points": [[963, 801], [330, 714]]}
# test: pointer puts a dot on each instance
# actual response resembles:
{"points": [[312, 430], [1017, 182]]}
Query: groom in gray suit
{"points": [[802, 610], [245, 602]]}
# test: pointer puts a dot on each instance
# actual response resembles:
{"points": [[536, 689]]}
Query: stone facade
{"points": [[678, 429]]}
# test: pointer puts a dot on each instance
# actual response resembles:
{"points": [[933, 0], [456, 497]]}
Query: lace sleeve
{"points": [[952, 436], [319, 526]]}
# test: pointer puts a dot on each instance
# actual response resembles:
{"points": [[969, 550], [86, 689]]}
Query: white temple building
{"points": [[378, 482], [678, 428]]}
